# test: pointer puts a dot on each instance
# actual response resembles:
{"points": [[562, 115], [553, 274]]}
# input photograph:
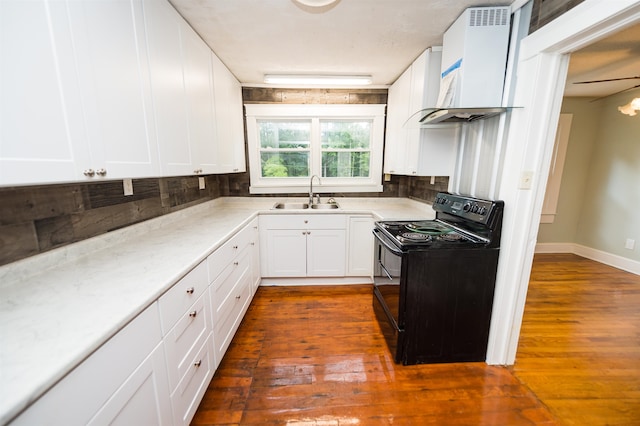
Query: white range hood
{"points": [[474, 60]]}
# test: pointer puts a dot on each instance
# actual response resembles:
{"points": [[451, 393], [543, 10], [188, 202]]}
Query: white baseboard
{"points": [[315, 281], [614, 260]]}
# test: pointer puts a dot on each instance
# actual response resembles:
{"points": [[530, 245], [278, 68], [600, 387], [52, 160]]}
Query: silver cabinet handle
{"points": [[101, 172], [190, 290], [193, 314], [235, 263], [238, 297], [89, 172], [235, 247], [198, 363]]}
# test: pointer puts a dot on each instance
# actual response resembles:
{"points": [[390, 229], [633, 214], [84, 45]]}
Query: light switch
{"points": [[526, 179]]}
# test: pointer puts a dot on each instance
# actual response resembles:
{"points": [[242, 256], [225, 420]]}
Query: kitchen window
{"points": [[290, 143]]}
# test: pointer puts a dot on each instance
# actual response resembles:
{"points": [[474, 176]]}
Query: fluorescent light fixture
{"points": [[631, 107], [338, 80]]}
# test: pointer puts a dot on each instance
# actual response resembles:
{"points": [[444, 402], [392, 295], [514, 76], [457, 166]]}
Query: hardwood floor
{"points": [[579, 348], [315, 356]]}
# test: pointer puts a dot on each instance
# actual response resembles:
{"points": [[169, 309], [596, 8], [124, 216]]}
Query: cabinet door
{"points": [[42, 136], [142, 398], [229, 119], [113, 75], [326, 253], [285, 254], [200, 101], [360, 248], [164, 31], [254, 246], [396, 134]]}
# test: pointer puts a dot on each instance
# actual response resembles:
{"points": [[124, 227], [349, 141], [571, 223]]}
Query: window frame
{"points": [[315, 113]]}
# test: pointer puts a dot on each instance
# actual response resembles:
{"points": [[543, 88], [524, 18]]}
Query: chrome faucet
{"points": [[311, 189]]}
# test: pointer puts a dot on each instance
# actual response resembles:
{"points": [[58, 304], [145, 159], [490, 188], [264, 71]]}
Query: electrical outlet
{"points": [[526, 179], [630, 244], [387, 177], [127, 186], [201, 184], [433, 180]]}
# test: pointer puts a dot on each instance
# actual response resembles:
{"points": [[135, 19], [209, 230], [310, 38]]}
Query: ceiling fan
{"points": [[637, 77]]}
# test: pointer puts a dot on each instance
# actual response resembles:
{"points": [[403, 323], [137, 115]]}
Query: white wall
{"points": [[600, 190]]}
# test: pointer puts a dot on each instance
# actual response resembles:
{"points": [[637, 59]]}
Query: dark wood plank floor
{"points": [[315, 356], [579, 348]]}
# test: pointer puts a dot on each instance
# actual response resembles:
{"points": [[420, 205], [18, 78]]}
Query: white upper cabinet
{"points": [[410, 149], [200, 101], [42, 136], [113, 74], [397, 114], [229, 117], [111, 89], [164, 31]]}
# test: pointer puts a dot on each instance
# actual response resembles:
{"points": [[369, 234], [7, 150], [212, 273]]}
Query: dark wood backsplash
{"points": [[545, 11], [35, 219]]}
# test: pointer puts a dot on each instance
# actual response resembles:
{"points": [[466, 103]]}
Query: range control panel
{"points": [[469, 208]]}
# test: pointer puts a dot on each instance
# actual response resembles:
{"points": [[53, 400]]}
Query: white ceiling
{"points": [[374, 37], [614, 57]]}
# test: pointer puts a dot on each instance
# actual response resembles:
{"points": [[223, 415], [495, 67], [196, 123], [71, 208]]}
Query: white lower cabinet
{"points": [[123, 382], [186, 397], [360, 253], [303, 245], [138, 401], [231, 293]]}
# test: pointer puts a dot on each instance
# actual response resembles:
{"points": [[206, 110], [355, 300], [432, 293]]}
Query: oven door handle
{"points": [[393, 250]]}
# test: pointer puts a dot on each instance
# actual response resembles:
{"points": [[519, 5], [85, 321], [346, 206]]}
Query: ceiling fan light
{"points": [[316, 3], [630, 108]]}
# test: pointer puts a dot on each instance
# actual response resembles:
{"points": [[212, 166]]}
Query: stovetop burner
{"points": [[414, 237], [428, 227]]}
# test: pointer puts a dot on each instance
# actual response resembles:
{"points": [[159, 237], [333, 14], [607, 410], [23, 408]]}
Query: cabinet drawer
{"points": [[222, 287], [301, 221], [219, 259], [182, 295], [230, 313], [186, 337], [187, 396]]}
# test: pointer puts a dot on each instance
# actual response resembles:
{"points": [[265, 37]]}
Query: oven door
{"points": [[388, 293]]}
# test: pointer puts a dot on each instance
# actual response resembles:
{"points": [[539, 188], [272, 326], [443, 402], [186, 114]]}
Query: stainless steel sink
{"points": [[291, 206], [325, 206], [302, 206]]}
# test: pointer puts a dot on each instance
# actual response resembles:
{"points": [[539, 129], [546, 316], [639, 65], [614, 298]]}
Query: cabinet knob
{"points": [[235, 247], [308, 232], [198, 363], [235, 263], [252, 243], [235, 170], [89, 172], [101, 172], [306, 221], [238, 297], [193, 314], [190, 290], [197, 171]]}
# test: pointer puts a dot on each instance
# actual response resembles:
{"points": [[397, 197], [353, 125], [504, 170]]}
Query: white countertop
{"points": [[58, 307]]}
